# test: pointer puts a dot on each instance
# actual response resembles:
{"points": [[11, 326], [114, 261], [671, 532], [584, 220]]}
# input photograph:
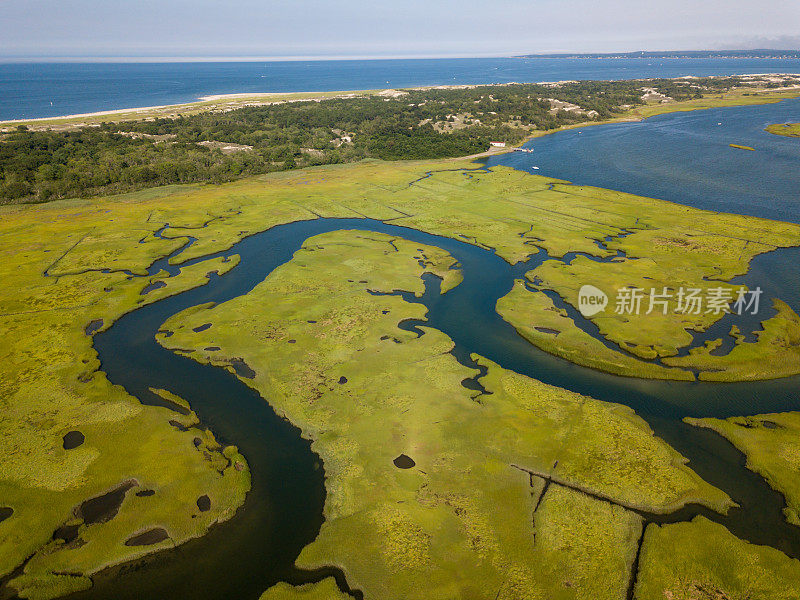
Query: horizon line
{"points": [[247, 58], [328, 57]]}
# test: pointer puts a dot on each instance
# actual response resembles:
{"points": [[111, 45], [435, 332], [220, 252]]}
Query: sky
{"points": [[382, 28]]}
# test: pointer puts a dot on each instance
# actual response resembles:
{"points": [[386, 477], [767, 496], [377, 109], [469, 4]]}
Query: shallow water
{"points": [[682, 157]]}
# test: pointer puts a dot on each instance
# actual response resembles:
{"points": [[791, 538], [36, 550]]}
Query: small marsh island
{"points": [[313, 347]]}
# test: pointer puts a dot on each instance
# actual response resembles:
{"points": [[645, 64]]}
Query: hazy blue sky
{"points": [[380, 28]]}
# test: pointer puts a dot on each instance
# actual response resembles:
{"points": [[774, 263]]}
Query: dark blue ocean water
{"points": [[29, 90]]}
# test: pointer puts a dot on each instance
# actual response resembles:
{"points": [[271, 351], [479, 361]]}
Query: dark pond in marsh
{"points": [[73, 439], [283, 512]]}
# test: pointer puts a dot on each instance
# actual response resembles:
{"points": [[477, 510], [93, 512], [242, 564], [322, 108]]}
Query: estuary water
{"points": [[31, 90], [683, 157]]}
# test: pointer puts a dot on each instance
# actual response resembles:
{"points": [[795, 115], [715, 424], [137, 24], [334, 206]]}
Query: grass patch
{"points": [[324, 590], [775, 353], [586, 547], [538, 320], [701, 559], [787, 129], [50, 386], [772, 446], [673, 249]]}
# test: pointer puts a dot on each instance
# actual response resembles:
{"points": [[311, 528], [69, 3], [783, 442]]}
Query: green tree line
{"points": [[37, 166]]}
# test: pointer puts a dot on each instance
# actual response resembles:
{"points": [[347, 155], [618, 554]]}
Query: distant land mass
{"points": [[773, 54]]}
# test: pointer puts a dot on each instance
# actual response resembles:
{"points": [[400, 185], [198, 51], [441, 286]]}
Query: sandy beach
{"points": [[230, 102], [225, 102]]}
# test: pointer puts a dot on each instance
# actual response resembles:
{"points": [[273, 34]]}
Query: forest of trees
{"points": [[37, 166]]}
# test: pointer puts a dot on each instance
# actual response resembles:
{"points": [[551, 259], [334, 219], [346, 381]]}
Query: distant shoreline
{"points": [[99, 113], [766, 54], [199, 104], [238, 100]]}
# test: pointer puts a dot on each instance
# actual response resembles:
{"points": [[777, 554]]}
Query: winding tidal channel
{"points": [[284, 510]]}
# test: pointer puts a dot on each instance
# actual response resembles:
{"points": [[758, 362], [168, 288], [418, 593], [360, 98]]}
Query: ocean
{"points": [[32, 90]]}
